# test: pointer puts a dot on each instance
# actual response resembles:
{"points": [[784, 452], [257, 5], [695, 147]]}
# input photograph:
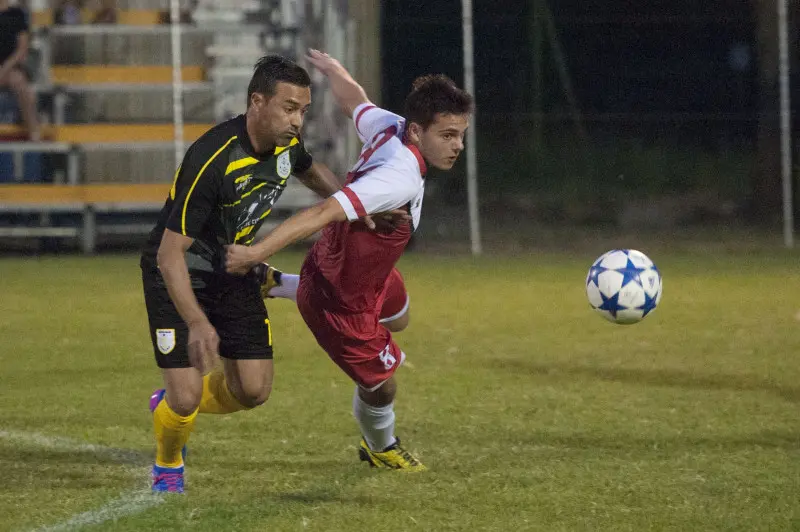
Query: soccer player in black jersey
{"points": [[226, 186]]}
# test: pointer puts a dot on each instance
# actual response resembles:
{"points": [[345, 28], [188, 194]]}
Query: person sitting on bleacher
{"points": [[107, 14], [14, 41], [68, 13]]}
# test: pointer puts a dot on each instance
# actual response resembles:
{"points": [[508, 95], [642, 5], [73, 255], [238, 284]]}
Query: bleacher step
{"points": [[89, 74], [134, 17]]}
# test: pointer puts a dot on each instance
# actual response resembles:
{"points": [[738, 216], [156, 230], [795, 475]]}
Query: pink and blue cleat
{"points": [[166, 479], [156, 398]]}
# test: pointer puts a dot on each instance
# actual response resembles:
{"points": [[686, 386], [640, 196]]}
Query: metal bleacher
{"points": [[108, 142]]}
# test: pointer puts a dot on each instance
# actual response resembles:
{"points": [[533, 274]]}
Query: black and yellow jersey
{"points": [[223, 191]]}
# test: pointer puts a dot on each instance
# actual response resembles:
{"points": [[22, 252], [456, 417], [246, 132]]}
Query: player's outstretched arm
{"points": [[320, 179], [241, 259], [348, 93], [203, 340]]}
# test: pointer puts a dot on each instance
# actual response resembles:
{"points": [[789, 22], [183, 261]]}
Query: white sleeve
{"points": [[379, 190], [371, 120]]}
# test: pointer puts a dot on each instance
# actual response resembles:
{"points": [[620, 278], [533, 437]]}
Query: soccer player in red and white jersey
{"points": [[350, 271]]}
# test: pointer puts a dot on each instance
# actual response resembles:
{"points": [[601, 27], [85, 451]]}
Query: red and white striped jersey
{"points": [[351, 263], [389, 173]]}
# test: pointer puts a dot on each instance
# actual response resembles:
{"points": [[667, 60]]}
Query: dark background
{"points": [[677, 56], [667, 93]]}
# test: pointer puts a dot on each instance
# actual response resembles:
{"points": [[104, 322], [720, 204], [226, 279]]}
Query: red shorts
{"points": [[358, 343], [395, 298]]}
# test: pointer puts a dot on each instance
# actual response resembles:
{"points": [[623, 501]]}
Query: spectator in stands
{"points": [[14, 42], [68, 13], [107, 14]]}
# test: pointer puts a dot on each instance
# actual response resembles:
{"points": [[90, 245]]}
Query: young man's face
{"points": [[279, 118], [442, 142]]}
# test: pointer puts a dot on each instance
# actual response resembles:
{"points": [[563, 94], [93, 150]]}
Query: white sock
{"points": [[288, 287], [376, 423]]}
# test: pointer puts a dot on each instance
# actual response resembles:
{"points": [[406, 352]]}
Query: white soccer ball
{"points": [[624, 286]]}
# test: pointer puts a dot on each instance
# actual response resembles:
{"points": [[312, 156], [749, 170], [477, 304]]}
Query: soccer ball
{"points": [[624, 286]]}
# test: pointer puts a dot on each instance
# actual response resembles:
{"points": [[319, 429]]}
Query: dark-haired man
{"points": [[349, 275], [226, 186]]}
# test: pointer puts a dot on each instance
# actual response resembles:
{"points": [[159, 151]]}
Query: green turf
{"points": [[531, 412]]}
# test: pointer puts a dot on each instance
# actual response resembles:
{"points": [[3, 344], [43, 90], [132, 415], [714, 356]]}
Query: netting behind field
{"points": [[626, 117]]}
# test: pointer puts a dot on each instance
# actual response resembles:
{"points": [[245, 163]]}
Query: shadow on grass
{"points": [[285, 464], [308, 480], [316, 496], [91, 455], [68, 469], [657, 377]]}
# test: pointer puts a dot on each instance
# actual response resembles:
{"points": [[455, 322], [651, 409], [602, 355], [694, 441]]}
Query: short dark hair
{"points": [[435, 93], [271, 69]]}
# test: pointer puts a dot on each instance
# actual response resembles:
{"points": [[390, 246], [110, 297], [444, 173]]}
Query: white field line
{"points": [[127, 504]]}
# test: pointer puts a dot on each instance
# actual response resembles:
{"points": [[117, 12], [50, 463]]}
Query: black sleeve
{"points": [[303, 161], [21, 22], [197, 192]]}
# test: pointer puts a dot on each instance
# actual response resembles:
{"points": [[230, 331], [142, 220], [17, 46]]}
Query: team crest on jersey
{"points": [[284, 165], [165, 340]]}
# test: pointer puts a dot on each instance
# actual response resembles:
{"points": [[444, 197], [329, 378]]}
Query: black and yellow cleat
{"points": [[268, 277], [393, 457]]}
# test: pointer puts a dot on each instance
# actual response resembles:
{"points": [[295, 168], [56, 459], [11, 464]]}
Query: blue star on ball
{"points": [[611, 304], [649, 305], [631, 273], [594, 272]]}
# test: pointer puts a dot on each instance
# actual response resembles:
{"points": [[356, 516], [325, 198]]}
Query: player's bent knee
{"points": [[183, 403], [250, 381], [184, 389], [252, 400], [253, 396]]}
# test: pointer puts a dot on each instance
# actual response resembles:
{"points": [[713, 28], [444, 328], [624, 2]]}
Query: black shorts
{"points": [[233, 306]]}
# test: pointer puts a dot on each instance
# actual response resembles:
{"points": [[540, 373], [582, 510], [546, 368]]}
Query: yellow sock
{"points": [[172, 433], [217, 397]]}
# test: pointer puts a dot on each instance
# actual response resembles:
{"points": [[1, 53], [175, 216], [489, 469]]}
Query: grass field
{"points": [[531, 412]]}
